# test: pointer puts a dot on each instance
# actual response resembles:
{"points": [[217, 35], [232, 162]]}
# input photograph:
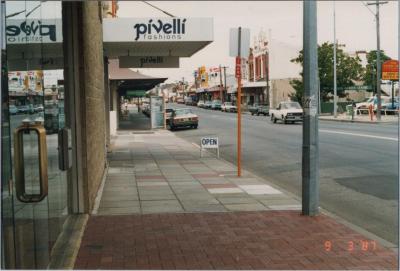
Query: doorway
{"points": [[34, 187]]}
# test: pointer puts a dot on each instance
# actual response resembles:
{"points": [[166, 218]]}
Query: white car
{"points": [[228, 107], [365, 104], [287, 112]]}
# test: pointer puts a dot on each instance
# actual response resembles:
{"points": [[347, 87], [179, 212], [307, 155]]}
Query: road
{"points": [[358, 163]]}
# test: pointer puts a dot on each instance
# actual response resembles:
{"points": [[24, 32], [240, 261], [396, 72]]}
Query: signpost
{"points": [[209, 143], [239, 45]]}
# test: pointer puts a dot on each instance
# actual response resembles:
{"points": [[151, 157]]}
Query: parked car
{"points": [[228, 107], [23, 109], [365, 104], [207, 104], [259, 109], [200, 104], [38, 108], [13, 110], [216, 105], [287, 112], [183, 117], [168, 113], [391, 106]]}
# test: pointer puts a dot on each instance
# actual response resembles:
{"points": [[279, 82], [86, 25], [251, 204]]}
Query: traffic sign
{"points": [[390, 70]]}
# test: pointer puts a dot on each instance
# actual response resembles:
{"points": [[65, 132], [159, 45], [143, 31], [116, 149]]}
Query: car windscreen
{"points": [[228, 103], [291, 106], [181, 112]]}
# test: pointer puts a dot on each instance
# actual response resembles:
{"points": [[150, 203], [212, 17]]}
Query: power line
{"points": [[366, 5], [163, 11]]}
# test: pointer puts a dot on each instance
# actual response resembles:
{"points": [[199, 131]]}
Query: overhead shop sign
{"points": [[157, 29], [20, 31], [390, 70], [149, 62]]}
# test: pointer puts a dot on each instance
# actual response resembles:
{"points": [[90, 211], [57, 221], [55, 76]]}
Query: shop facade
{"points": [[56, 103]]}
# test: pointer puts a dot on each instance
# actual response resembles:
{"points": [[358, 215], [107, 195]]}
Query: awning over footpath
{"points": [[140, 42], [129, 80]]}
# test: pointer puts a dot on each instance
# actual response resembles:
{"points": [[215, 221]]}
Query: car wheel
{"points": [[172, 128], [195, 126], [273, 119], [258, 114], [285, 121], [265, 114], [252, 113]]}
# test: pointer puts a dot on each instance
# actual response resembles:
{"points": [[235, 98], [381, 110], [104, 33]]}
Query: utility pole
{"points": [[310, 153], [226, 90], [398, 112], [334, 63], [267, 74], [220, 85], [378, 58]]}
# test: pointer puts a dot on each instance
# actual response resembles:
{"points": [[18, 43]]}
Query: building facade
{"points": [[57, 102]]}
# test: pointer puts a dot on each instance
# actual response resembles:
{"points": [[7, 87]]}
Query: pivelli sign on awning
{"points": [[33, 31], [149, 62], [157, 29]]}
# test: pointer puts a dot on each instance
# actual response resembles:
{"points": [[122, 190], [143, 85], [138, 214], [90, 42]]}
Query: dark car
{"points": [[183, 117], [168, 113], [259, 109]]}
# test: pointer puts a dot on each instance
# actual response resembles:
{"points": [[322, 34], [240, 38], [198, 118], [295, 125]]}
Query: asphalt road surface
{"points": [[358, 163]]}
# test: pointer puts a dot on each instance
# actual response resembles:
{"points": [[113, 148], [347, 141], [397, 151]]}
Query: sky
{"points": [[283, 23]]}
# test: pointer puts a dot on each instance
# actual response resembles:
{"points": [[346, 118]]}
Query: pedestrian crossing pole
{"points": [[310, 150]]}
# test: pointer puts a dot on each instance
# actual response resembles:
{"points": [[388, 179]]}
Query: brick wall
{"points": [[93, 117]]}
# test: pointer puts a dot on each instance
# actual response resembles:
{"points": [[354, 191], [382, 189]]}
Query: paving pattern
{"points": [[156, 172], [228, 240]]}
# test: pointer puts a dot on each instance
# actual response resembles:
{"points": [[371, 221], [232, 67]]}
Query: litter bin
{"points": [[350, 111]]}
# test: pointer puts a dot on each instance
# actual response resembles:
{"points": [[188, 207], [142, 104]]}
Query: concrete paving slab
{"points": [[144, 197], [237, 200], [119, 211], [285, 207], [119, 204], [156, 184], [245, 207], [225, 190], [260, 189], [161, 209]]}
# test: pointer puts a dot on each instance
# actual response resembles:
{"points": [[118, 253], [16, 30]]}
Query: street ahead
{"points": [[358, 163]]}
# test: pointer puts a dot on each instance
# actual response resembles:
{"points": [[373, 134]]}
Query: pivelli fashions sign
{"points": [[157, 29], [34, 31]]}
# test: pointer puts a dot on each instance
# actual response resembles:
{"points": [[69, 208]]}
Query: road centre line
{"points": [[359, 135]]}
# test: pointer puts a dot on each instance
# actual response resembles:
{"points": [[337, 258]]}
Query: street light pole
{"points": [[310, 150], [378, 58], [334, 63]]}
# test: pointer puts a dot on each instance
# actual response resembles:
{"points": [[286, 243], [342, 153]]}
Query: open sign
{"points": [[209, 143]]}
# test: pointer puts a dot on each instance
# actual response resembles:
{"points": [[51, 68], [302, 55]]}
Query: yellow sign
{"points": [[390, 76]]}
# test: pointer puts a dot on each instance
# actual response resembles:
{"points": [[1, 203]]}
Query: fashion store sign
{"points": [[157, 29], [33, 31]]}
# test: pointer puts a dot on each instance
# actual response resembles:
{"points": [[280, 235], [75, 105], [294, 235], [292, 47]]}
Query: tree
{"points": [[348, 70], [370, 70]]}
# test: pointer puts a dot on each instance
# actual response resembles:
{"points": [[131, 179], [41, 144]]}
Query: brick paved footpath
{"points": [[236, 240]]}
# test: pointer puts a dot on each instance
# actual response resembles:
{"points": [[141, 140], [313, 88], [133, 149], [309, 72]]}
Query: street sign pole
{"points": [[310, 150], [239, 111], [334, 64]]}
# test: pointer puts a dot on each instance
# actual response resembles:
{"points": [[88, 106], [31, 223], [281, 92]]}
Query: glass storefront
{"points": [[34, 188]]}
